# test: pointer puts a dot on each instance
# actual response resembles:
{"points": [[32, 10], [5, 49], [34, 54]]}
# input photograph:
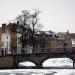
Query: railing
{"points": [[49, 50], [44, 50]]}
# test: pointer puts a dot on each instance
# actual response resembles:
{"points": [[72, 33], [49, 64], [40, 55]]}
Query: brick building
{"points": [[45, 41], [8, 39], [4, 40], [49, 41]]}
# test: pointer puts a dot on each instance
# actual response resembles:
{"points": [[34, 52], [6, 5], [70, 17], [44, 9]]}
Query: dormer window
{"points": [[50, 35], [56, 36]]}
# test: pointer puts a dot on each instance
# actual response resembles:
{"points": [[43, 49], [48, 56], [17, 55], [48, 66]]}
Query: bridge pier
{"points": [[73, 64], [15, 62], [39, 66]]}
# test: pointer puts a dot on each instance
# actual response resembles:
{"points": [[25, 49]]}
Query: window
{"points": [[7, 37], [50, 35], [7, 44], [2, 43], [46, 35], [56, 36], [5, 51]]}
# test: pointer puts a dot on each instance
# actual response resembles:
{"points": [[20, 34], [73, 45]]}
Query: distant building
{"points": [[72, 35], [53, 42]]}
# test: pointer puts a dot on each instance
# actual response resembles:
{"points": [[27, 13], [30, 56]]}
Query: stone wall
{"points": [[6, 62]]}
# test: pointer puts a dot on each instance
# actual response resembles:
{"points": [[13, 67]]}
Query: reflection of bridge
{"points": [[37, 58]]}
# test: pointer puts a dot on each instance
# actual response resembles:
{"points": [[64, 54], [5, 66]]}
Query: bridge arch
{"points": [[26, 64], [27, 61], [49, 57], [57, 62], [37, 59]]}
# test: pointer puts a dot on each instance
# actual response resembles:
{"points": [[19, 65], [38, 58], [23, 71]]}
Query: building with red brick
{"points": [[53, 42], [44, 41]]}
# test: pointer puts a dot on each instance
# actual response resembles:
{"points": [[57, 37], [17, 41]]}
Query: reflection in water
{"points": [[4, 73], [28, 72], [39, 72]]}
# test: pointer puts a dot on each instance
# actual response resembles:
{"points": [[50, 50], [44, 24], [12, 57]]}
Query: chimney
{"points": [[18, 22], [3, 27]]}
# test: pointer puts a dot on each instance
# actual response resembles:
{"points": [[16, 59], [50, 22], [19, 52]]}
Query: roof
{"points": [[51, 34]]}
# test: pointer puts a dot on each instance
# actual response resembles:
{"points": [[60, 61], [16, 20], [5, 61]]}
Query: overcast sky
{"points": [[57, 15]]}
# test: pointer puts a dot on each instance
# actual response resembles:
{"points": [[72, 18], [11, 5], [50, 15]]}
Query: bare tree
{"points": [[24, 27], [30, 22], [35, 26]]}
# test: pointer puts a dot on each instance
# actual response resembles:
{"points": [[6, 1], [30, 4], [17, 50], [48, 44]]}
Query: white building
{"points": [[6, 43]]}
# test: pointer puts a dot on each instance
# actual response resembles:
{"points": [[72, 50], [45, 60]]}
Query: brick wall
{"points": [[6, 62]]}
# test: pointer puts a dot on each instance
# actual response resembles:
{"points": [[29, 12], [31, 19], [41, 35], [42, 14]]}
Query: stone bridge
{"points": [[37, 58]]}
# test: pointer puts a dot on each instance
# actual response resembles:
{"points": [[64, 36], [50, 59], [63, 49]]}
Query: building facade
{"points": [[72, 35], [9, 39], [53, 42], [44, 41], [5, 41]]}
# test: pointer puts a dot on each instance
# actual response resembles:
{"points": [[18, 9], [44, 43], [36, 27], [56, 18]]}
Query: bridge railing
{"points": [[49, 50], [45, 50]]}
